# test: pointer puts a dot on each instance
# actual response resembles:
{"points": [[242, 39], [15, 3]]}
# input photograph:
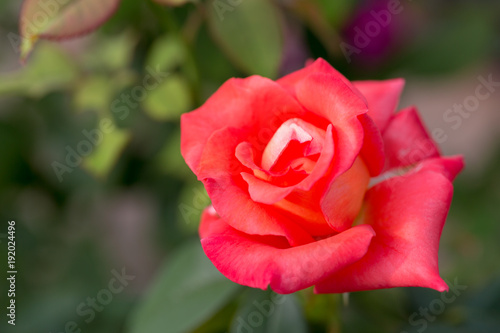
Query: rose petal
{"points": [[449, 166], [407, 214], [291, 81], [406, 141], [372, 151], [342, 201], [292, 130], [260, 262], [382, 98], [336, 102], [303, 208], [220, 173], [268, 193], [255, 104]]}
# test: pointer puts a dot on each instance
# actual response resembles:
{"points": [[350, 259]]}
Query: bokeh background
{"points": [[127, 203]]}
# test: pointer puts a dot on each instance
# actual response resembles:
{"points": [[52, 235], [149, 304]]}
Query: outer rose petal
{"points": [[260, 262], [406, 140], [382, 98], [291, 81], [256, 104], [407, 214], [449, 166]]}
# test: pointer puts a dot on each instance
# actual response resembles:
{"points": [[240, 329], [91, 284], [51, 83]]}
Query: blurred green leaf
{"points": [[167, 52], [93, 93], [336, 12], [187, 291], [462, 38], [110, 53], [169, 100], [169, 160], [192, 201], [96, 92], [107, 152], [266, 311], [50, 69], [250, 34]]}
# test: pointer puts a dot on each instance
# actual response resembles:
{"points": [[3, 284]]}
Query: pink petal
{"points": [[292, 129], [329, 97], [372, 151], [408, 214], [260, 262], [320, 66], [268, 193], [342, 201], [406, 140], [220, 172], [303, 208], [382, 98], [256, 105]]}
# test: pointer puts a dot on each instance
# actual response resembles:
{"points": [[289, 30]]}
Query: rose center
{"points": [[296, 145]]}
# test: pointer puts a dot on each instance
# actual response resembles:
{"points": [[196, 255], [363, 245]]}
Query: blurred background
{"points": [[106, 210]]}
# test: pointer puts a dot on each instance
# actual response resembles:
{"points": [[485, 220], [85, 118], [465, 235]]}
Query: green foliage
{"points": [[50, 69], [265, 311], [250, 34], [169, 100], [456, 41], [183, 296]]}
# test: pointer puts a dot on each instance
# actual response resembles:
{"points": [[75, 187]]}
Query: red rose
{"points": [[314, 180]]}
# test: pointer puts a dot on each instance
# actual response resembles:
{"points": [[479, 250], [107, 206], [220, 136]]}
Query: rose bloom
{"points": [[316, 181]]}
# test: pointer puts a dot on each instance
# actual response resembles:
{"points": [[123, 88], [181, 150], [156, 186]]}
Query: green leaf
{"points": [[187, 291], [51, 69], [170, 161], [106, 153], [167, 52], [250, 34], [336, 12], [192, 202], [93, 93], [110, 53], [266, 311], [169, 100]]}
